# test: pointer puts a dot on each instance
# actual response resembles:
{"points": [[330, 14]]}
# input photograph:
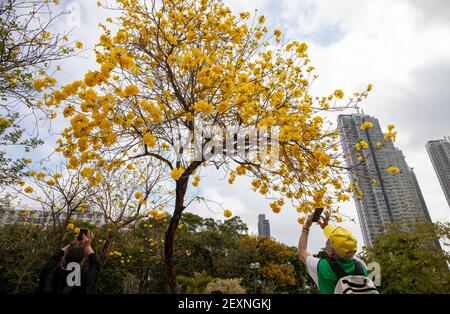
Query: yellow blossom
{"points": [[73, 162], [339, 93], [28, 189], [393, 170], [277, 34], [240, 170], [323, 158], [165, 146], [131, 90], [227, 213], [138, 195], [223, 106], [196, 181], [366, 125], [87, 172], [149, 139], [4, 123], [126, 62], [176, 173], [203, 106]]}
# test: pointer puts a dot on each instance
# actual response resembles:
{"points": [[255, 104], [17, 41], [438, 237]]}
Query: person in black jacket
{"points": [[54, 274]]}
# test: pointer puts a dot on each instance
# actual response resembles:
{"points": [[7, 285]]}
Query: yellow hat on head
{"points": [[341, 240]]}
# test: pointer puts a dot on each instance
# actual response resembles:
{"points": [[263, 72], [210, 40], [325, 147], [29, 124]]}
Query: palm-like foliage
{"points": [[196, 284]]}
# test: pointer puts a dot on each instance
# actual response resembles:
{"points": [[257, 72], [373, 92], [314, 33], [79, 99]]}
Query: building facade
{"points": [[386, 197], [45, 218], [263, 226], [439, 152]]}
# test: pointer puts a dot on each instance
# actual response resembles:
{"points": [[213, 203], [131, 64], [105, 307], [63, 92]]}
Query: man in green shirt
{"points": [[340, 248]]}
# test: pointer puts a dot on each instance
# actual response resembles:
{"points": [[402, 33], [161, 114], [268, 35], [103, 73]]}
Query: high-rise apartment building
{"points": [[386, 197], [263, 226], [439, 152]]}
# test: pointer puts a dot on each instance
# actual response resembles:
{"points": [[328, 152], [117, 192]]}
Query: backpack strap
{"points": [[340, 273], [337, 269], [358, 268]]}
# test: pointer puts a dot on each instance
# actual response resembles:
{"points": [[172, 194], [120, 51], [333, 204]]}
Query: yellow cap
{"points": [[341, 239]]}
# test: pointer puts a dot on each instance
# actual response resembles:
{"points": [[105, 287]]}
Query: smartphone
{"points": [[80, 234], [317, 213]]}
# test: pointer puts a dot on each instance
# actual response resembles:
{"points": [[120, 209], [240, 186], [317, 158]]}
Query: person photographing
{"points": [[341, 272], [54, 275]]}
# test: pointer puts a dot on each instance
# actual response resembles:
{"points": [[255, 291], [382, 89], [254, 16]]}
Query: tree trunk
{"points": [[19, 281], [180, 192], [23, 273]]}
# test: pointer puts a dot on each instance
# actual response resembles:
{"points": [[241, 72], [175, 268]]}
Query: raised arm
{"points": [[303, 241], [94, 264]]}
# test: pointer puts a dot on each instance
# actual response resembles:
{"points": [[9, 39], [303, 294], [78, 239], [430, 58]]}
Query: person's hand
{"points": [[87, 241], [323, 221], [87, 238]]}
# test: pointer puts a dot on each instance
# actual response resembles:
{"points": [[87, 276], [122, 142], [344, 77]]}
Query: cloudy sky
{"points": [[398, 46]]}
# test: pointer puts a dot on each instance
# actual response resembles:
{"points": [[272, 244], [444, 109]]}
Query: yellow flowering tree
{"points": [[29, 53], [188, 66]]}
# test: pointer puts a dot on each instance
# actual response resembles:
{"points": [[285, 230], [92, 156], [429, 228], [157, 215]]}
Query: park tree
{"points": [[128, 195], [279, 270], [23, 248], [413, 258], [192, 85], [203, 243], [61, 192], [226, 286], [30, 49], [122, 195]]}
